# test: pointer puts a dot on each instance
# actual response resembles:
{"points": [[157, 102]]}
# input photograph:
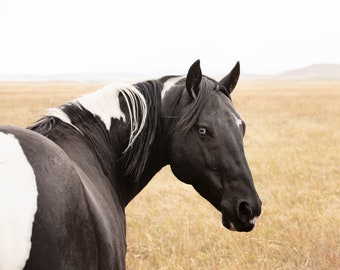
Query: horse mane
{"points": [[142, 101], [44, 125], [134, 159], [191, 112], [185, 117]]}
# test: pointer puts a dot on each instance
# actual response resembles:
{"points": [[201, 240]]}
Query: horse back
{"points": [[66, 222]]}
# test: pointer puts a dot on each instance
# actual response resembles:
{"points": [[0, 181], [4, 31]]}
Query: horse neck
{"points": [[122, 126], [110, 126], [164, 108], [98, 124], [146, 156]]}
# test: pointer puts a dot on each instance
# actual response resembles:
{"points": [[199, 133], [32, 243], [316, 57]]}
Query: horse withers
{"points": [[66, 180]]}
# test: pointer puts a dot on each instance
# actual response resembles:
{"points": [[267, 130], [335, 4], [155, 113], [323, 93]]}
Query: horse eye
{"points": [[202, 131]]}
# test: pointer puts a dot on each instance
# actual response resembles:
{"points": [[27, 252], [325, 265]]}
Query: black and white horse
{"points": [[66, 180]]}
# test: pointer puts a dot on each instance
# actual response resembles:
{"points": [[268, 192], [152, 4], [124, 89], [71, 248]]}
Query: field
{"points": [[292, 145]]}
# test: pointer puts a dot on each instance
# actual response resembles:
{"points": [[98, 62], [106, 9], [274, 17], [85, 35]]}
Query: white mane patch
{"points": [[170, 83], [18, 204], [137, 100]]}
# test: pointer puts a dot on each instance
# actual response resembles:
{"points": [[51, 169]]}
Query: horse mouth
{"points": [[229, 225], [238, 226]]}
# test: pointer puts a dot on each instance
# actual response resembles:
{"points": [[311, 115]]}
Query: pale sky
{"points": [[166, 37]]}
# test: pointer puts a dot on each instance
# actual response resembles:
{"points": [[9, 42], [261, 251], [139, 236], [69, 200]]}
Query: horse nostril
{"points": [[244, 210]]}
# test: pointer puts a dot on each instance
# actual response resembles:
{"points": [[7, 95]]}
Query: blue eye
{"points": [[202, 131]]}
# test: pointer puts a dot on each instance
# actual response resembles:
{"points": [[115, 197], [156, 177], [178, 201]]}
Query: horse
{"points": [[66, 179]]}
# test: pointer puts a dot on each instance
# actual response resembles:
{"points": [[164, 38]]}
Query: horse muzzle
{"points": [[243, 219], [244, 227]]}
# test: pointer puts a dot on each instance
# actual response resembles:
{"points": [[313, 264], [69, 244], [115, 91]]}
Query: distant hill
{"points": [[314, 72], [75, 77]]}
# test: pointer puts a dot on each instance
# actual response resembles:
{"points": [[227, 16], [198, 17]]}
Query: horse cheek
{"points": [[180, 159]]}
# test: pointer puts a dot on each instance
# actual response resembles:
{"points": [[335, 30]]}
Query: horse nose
{"points": [[244, 211], [247, 211]]}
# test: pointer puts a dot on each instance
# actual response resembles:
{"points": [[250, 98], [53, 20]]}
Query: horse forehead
{"points": [[220, 106], [219, 103]]}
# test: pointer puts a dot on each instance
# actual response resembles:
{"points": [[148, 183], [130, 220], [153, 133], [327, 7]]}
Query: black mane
{"points": [[44, 125], [134, 160], [186, 117]]}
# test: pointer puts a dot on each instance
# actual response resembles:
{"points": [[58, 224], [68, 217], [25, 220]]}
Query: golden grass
{"points": [[292, 144]]}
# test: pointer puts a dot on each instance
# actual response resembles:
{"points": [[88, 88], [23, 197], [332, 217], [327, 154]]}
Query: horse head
{"points": [[206, 147]]}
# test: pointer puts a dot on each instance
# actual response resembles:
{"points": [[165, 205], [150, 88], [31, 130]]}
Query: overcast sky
{"points": [[165, 37]]}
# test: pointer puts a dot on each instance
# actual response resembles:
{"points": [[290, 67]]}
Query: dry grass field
{"points": [[293, 149]]}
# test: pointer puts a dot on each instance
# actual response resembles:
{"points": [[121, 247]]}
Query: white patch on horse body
{"points": [[18, 203], [238, 121], [170, 83]]}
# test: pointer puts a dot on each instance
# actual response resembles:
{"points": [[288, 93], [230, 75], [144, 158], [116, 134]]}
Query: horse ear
{"points": [[193, 79], [231, 79]]}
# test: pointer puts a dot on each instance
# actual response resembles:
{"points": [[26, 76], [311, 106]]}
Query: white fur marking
{"points": [[18, 204], [232, 227], [253, 221], [237, 120], [170, 83], [59, 113], [103, 103]]}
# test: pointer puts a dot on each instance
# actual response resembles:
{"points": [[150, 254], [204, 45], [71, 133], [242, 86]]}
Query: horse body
{"points": [[95, 154], [79, 221]]}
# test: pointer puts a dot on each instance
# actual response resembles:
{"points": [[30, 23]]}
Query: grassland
{"points": [[292, 144]]}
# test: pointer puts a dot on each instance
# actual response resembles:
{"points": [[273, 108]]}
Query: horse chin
{"points": [[229, 225], [237, 227]]}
